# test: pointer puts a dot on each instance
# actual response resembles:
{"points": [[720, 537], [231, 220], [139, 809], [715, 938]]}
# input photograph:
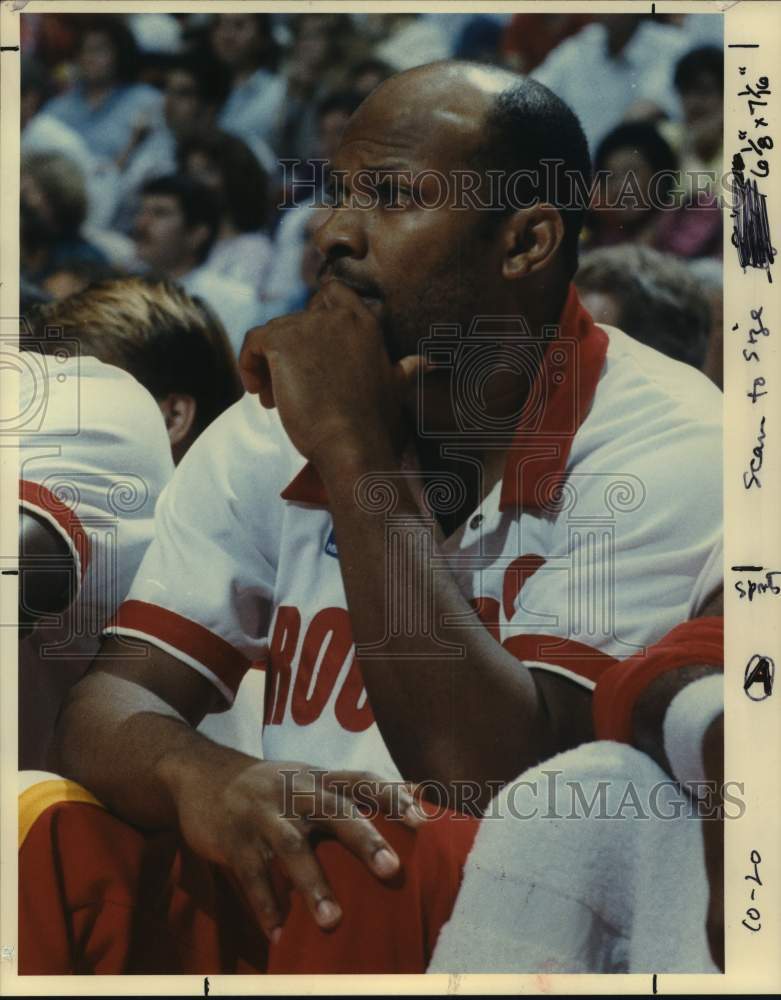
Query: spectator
{"points": [[480, 40], [196, 85], [75, 277], [149, 359], [644, 200], [105, 105], [41, 131], [310, 260], [227, 166], [529, 38], [170, 342], [284, 279], [333, 113], [245, 44], [367, 74], [322, 45], [53, 207], [699, 81], [650, 296], [603, 70], [175, 230], [642, 173]]}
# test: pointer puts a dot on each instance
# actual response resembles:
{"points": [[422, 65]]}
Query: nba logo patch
{"points": [[330, 545]]}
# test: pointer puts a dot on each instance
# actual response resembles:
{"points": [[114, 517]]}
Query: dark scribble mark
{"points": [[751, 229]]}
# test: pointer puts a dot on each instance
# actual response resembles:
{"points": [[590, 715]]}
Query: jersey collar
{"points": [[559, 400]]}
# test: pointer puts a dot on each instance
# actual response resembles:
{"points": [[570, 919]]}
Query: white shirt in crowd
{"points": [[235, 303], [599, 89]]}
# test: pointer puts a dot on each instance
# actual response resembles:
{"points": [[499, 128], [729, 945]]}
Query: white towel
{"points": [[585, 894]]}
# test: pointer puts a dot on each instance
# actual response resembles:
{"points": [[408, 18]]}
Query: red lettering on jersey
{"points": [[282, 648], [515, 576], [351, 715], [332, 627], [487, 609]]}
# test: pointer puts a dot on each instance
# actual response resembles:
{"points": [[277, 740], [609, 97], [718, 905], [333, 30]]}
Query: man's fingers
{"points": [[252, 872], [394, 799], [291, 845], [358, 834]]}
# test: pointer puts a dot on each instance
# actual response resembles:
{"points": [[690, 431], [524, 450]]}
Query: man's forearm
{"points": [[131, 750], [450, 702]]}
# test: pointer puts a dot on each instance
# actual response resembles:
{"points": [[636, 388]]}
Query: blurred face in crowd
{"points": [[163, 239], [184, 109], [238, 40], [97, 61], [630, 176], [201, 168], [330, 130], [415, 266], [703, 112]]}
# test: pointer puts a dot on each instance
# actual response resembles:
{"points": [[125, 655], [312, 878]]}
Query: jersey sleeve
{"points": [[204, 591], [94, 458], [635, 552]]}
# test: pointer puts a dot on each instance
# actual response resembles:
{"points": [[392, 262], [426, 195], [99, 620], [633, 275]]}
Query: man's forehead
{"points": [[422, 116]]}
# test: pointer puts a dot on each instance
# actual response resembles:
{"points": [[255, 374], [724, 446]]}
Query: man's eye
{"points": [[392, 195]]}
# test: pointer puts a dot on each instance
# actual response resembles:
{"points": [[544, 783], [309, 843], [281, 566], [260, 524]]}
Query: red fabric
{"points": [[38, 497], [97, 896], [186, 636], [569, 654], [558, 403], [699, 641]]}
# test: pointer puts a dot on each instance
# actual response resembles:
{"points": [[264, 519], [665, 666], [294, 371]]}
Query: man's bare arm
{"points": [[452, 704], [45, 571], [126, 733]]}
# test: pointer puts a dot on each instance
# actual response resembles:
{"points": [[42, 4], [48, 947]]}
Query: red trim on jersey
{"points": [[577, 657], [699, 641], [306, 487], [564, 387], [190, 638], [50, 507], [515, 577]]}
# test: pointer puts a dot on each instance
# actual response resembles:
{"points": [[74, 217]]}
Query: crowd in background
{"points": [[151, 144]]}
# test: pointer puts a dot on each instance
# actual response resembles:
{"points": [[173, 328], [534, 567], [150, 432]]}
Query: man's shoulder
{"points": [[247, 447], [648, 410]]}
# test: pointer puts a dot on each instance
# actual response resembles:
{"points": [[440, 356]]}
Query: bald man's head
{"points": [[490, 119], [406, 233]]}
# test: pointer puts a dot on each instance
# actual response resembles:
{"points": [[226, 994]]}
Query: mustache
{"points": [[361, 285]]}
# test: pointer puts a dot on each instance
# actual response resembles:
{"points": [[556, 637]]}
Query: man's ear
{"points": [[178, 411], [532, 237]]}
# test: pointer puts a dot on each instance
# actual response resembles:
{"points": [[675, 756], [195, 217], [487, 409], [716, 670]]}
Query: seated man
{"points": [[124, 377], [446, 538]]}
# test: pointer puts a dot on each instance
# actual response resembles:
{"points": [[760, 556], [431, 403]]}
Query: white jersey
{"points": [[595, 543], [94, 458]]}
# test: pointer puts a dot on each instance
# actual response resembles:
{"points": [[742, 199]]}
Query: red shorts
{"points": [[98, 896]]}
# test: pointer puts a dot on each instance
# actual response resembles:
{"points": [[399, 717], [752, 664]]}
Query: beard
{"points": [[451, 296]]}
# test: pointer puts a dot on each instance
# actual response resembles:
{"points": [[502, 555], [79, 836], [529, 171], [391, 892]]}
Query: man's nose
{"points": [[343, 234]]}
